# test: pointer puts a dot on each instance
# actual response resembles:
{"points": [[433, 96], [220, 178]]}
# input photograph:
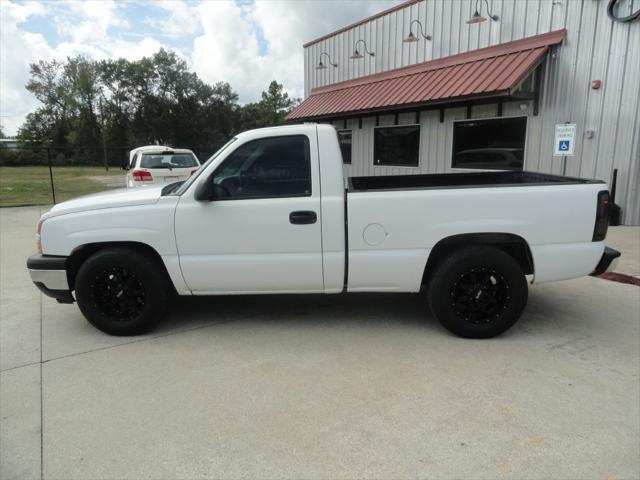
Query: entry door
{"points": [[261, 233]]}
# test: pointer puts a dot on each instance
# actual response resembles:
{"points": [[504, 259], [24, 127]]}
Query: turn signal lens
{"points": [[38, 237]]}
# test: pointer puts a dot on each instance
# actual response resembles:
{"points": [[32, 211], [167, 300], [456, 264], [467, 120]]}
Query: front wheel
{"points": [[478, 292], [121, 291]]}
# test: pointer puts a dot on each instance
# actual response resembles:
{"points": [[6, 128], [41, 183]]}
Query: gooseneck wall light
{"points": [[411, 38], [356, 52], [322, 66], [477, 15]]}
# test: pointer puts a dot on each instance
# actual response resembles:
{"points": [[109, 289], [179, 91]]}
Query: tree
{"points": [[276, 103], [271, 110], [154, 100]]}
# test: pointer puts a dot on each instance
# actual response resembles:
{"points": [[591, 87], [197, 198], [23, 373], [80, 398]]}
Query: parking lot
{"points": [[359, 386]]}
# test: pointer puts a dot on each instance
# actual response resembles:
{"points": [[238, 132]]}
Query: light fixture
{"points": [[356, 52], [322, 66], [411, 38], [477, 15]]}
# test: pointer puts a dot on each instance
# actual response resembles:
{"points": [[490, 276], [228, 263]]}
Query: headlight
{"points": [[38, 237]]}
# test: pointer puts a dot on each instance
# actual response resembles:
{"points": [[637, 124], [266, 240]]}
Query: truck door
{"points": [[262, 231]]}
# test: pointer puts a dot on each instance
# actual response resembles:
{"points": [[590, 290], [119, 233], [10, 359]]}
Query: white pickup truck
{"points": [[270, 213]]}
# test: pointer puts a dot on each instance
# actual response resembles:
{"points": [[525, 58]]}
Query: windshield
{"points": [[168, 160], [193, 177]]}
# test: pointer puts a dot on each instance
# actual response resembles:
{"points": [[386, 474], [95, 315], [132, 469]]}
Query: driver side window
{"points": [[267, 168]]}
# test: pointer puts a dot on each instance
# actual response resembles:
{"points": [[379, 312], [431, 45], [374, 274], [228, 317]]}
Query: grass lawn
{"points": [[31, 185]]}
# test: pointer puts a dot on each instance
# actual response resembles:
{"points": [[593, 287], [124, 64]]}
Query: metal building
{"points": [[433, 86]]}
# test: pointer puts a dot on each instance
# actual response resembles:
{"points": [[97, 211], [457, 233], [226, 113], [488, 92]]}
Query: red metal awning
{"points": [[486, 72]]}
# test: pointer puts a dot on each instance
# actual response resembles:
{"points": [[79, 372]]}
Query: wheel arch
{"points": [[513, 245], [82, 252]]}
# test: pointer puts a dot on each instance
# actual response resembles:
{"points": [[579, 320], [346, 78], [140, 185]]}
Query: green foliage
{"points": [[121, 104]]}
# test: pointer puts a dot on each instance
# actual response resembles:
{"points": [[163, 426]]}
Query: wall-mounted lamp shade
{"points": [[476, 18], [322, 66], [411, 38], [356, 53]]}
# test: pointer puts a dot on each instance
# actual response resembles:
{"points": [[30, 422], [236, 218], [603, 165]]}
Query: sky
{"points": [[247, 43]]}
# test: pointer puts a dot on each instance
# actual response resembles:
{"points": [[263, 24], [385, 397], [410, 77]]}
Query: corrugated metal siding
{"points": [[595, 48]]}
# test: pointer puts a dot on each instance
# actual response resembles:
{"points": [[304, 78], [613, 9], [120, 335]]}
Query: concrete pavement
{"points": [[366, 386]]}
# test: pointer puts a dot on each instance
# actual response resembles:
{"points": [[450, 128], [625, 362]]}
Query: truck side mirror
{"points": [[207, 191], [204, 191]]}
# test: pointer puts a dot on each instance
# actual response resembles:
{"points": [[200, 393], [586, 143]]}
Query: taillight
{"points": [[142, 176], [602, 216]]}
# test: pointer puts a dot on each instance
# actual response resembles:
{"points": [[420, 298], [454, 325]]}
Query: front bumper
{"points": [[49, 274], [607, 262]]}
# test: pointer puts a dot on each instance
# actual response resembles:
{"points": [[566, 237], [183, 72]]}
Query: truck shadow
{"points": [[352, 309], [543, 313]]}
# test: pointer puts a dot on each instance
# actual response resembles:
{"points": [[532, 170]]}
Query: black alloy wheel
{"points": [[118, 293], [477, 291], [122, 291], [479, 295]]}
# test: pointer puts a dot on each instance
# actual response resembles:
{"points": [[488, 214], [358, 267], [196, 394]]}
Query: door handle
{"points": [[303, 217]]}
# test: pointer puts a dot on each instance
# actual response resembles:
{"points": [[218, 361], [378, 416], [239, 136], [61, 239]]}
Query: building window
{"points": [[344, 137], [496, 144], [397, 146]]}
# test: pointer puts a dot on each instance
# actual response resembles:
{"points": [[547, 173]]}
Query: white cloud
{"points": [[17, 50], [227, 39], [85, 28], [181, 19], [229, 48]]}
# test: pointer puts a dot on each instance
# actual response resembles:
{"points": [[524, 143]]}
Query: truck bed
{"points": [[459, 180]]}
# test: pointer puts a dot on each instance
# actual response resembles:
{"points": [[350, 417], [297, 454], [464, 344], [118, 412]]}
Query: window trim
{"points": [[134, 161], [475, 169], [267, 197], [386, 165], [350, 162]]}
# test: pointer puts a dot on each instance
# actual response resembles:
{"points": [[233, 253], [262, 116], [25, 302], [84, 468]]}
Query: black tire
{"points": [[477, 292], [122, 291]]}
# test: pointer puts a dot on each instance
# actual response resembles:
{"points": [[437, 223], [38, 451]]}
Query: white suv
{"points": [[155, 164]]}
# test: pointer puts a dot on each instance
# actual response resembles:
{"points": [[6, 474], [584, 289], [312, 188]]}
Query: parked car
{"points": [[159, 164], [269, 213], [491, 158]]}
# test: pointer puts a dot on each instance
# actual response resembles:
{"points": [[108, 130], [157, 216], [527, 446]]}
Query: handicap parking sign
{"points": [[564, 140]]}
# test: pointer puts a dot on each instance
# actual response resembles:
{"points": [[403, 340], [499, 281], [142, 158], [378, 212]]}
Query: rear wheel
{"points": [[478, 292], [121, 291]]}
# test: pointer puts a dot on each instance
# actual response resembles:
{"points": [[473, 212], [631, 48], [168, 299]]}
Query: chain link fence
{"points": [[45, 175]]}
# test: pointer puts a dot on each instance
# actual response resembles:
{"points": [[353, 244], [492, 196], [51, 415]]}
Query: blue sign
{"points": [[564, 146]]}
